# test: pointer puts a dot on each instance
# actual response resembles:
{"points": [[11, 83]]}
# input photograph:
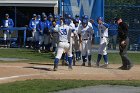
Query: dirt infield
{"points": [[10, 72]]}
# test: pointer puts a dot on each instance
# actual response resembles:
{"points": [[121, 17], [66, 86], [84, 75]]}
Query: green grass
{"points": [[26, 54], [47, 57], [45, 86], [114, 58]]}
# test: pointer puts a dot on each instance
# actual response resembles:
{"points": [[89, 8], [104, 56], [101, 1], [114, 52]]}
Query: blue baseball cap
{"points": [[84, 21], [85, 16], [76, 20], [100, 18]]}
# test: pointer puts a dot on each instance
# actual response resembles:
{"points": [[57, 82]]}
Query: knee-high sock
{"points": [[56, 61], [105, 58], [70, 60], [83, 57], [89, 58], [66, 57], [99, 58], [77, 55]]}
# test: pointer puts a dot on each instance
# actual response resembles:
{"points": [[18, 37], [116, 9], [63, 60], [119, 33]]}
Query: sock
{"points": [[70, 61], [54, 49], [99, 58], [83, 57], [89, 58], [105, 59], [77, 55], [36, 44], [66, 57], [56, 61]]}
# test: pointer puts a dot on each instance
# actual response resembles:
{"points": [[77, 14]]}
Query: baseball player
{"points": [[85, 34], [63, 45], [103, 31], [33, 27], [7, 22], [55, 35], [75, 40], [42, 28]]}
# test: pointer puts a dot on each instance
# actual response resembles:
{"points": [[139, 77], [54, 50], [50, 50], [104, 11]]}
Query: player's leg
{"points": [[46, 42], [100, 52], [84, 52], [5, 38], [105, 56], [89, 52], [40, 43], [33, 39], [36, 36], [69, 52], [58, 55]]}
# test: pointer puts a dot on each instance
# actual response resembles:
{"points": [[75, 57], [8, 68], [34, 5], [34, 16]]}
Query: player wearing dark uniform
{"points": [[123, 44]]}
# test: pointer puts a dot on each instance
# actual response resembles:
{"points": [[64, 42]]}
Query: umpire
{"points": [[123, 44]]}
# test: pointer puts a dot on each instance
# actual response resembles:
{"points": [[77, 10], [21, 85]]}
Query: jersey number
{"points": [[63, 32]]}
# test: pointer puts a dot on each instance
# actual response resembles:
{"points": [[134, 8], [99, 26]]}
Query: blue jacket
{"points": [[10, 22], [113, 29], [33, 24], [44, 26]]}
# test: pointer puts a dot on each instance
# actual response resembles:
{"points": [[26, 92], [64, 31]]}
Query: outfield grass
{"points": [[29, 54], [45, 86], [114, 58], [47, 57]]}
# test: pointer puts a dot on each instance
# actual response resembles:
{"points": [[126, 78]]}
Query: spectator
{"points": [[113, 35], [33, 27], [7, 23]]}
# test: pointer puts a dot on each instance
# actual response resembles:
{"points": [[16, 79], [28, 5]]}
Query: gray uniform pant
{"points": [[123, 53]]}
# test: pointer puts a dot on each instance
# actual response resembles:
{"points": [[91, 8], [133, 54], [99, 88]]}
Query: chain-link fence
{"points": [[130, 13]]}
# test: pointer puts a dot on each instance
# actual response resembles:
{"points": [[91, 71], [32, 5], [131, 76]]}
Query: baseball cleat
{"points": [[89, 64], [70, 67], [83, 64], [104, 66], [97, 65], [55, 67]]}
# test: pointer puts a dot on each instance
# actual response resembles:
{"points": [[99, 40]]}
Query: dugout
{"points": [[21, 12]]}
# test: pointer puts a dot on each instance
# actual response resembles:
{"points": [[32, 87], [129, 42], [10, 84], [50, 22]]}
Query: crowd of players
{"points": [[66, 36], [70, 36]]}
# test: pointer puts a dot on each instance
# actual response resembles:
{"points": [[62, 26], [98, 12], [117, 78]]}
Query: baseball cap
{"points": [[86, 17], [84, 21], [100, 18], [6, 14], [76, 20], [76, 15], [34, 15]]}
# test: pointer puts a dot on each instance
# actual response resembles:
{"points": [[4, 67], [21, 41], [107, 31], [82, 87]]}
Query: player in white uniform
{"points": [[103, 31], [74, 39], [63, 45], [85, 32]]}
